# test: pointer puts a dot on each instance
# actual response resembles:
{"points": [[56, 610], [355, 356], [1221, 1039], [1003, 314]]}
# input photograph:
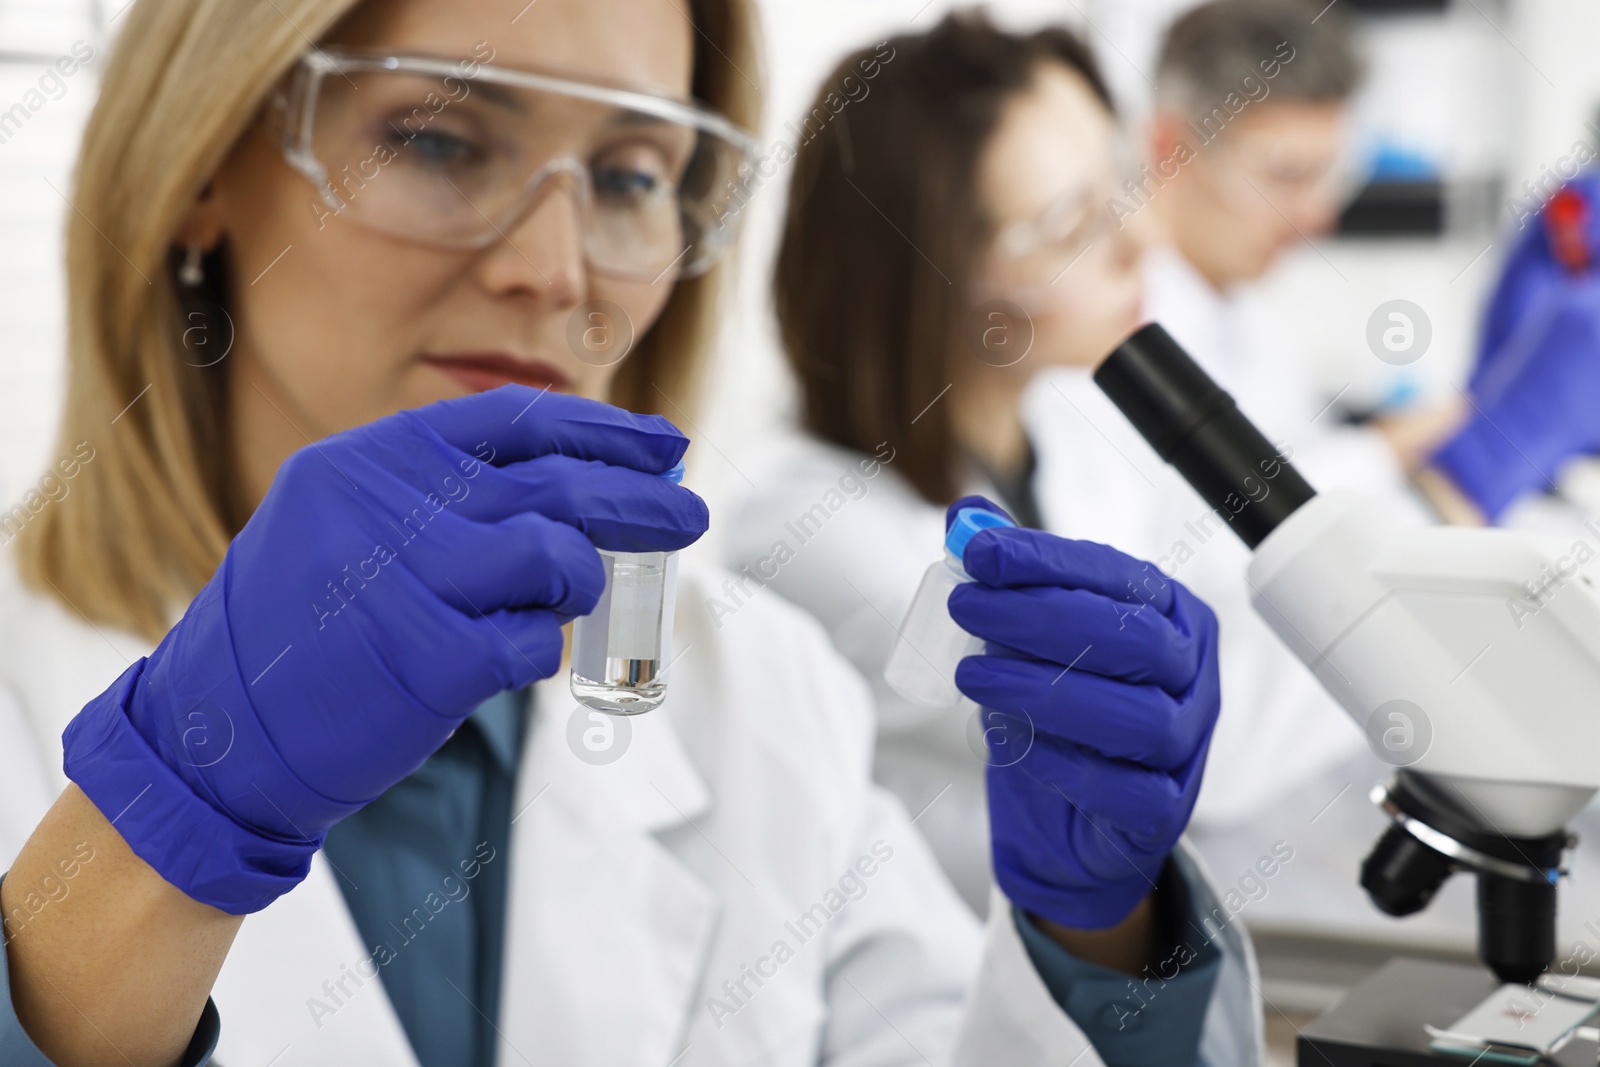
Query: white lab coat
{"points": [[638, 888]]}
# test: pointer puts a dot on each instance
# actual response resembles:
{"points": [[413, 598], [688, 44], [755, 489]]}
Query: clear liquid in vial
{"points": [[630, 687], [621, 648]]}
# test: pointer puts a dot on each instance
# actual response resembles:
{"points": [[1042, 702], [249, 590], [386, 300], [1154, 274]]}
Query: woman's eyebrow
{"points": [[628, 117], [500, 95]]}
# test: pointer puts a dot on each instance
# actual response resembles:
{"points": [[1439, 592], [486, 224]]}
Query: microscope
{"points": [[1476, 650]]}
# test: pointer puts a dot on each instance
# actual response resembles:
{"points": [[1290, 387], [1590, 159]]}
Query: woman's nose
{"points": [[542, 252]]}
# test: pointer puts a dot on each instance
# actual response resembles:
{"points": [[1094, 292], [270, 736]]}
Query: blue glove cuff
{"points": [[1084, 907], [198, 849], [1487, 466]]}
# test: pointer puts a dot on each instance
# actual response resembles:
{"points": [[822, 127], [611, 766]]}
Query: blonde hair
{"points": [[149, 520]]}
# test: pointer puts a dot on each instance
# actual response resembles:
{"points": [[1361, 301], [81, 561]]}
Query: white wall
{"points": [[1554, 43], [32, 160]]}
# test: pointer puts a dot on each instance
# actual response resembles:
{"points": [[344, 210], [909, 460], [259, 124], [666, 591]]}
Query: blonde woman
{"points": [[325, 265]]}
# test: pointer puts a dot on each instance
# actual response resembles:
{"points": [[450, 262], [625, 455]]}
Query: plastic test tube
{"points": [[922, 666], [620, 649]]}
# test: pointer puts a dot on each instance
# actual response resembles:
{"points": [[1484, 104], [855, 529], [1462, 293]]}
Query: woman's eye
{"points": [[436, 148], [633, 174], [1073, 232], [444, 148], [628, 183]]}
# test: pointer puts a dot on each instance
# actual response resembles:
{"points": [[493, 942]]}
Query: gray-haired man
{"points": [[1244, 151]]}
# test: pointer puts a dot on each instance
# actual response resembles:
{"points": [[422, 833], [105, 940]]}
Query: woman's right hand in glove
{"points": [[394, 577]]}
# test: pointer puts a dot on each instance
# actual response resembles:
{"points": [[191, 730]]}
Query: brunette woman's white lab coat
{"points": [[643, 891]]}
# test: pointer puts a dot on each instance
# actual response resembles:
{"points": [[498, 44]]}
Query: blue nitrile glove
{"points": [[1543, 409], [1104, 672], [395, 576], [1529, 273]]}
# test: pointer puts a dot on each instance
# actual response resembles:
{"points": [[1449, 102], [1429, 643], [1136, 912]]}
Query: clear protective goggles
{"points": [[1081, 225], [452, 154], [1066, 230]]}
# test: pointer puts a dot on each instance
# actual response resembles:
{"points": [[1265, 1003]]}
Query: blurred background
{"points": [[1468, 106], [1465, 100]]}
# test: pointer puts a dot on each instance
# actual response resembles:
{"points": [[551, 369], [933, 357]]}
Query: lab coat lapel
{"points": [[608, 930]]}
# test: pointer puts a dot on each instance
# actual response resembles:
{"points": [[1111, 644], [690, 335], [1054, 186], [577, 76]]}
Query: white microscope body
{"points": [[1492, 635]]}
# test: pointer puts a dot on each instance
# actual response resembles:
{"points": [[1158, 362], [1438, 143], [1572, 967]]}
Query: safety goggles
{"points": [[1078, 228], [452, 154]]}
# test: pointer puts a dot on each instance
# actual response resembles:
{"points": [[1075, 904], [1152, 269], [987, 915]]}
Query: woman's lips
{"points": [[481, 371]]}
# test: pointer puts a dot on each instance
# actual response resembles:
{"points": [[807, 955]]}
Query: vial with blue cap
{"points": [[922, 666], [620, 649]]}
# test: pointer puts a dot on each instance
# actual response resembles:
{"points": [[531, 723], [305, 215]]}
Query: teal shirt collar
{"points": [[499, 721]]}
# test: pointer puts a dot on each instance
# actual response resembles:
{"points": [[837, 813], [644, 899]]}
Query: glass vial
{"points": [[922, 665], [620, 648]]}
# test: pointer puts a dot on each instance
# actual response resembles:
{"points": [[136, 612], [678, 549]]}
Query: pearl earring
{"points": [[190, 273]]}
